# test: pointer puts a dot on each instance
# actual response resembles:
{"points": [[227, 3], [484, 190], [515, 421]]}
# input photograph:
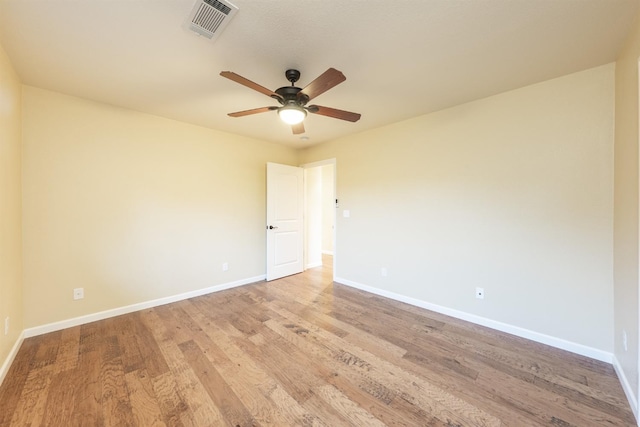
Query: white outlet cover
{"points": [[346, 213]]}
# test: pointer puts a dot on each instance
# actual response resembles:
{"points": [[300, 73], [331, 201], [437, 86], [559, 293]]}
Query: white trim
{"points": [[314, 265], [583, 350], [327, 252], [628, 390], [63, 324], [319, 163], [10, 358]]}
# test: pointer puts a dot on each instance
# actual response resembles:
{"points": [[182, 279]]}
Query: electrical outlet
{"points": [[480, 293], [624, 340], [383, 271], [6, 325], [225, 266], [78, 293]]}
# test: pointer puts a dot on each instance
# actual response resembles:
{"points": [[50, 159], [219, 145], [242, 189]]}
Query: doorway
{"points": [[320, 213]]}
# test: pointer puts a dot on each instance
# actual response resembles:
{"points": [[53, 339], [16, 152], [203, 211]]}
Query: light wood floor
{"points": [[301, 351]]}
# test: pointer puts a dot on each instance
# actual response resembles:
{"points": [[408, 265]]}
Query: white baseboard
{"points": [[628, 391], [63, 324], [327, 253], [4, 369], [560, 343]]}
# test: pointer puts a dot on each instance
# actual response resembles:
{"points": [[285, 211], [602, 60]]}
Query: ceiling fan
{"points": [[293, 100]]}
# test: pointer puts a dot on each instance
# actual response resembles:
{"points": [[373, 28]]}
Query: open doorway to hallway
{"points": [[320, 211]]}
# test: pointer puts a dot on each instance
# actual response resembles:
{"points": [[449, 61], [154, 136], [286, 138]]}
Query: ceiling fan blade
{"points": [[298, 129], [248, 83], [332, 112], [323, 83], [252, 111]]}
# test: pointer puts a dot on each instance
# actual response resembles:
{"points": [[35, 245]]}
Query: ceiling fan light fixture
{"points": [[292, 114], [293, 100]]}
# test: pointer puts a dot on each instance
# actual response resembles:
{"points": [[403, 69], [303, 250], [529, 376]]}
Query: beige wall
{"points": [[10, 207], [133, 207], [512, 193], [626, 208]]}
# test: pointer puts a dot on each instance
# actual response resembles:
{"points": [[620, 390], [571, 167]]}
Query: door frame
{"points": [[326, 162]]}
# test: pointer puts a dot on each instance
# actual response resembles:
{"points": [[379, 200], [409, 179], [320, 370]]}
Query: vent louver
{"points": [[209, 17]]}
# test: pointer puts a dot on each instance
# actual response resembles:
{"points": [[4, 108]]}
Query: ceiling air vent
{"points": [[209, 17]]}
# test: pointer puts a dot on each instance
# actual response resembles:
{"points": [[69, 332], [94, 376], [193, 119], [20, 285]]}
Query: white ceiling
{"points": [[402, 58]]}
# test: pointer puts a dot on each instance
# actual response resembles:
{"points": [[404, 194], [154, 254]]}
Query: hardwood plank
{"points": [[148, 349], [416, 390], [172, 406], [86, 409], [47, 350], [253, 385], [13, 385], [61, 396], [232, 409], [377, 398], [67, 357], [202, 409], [30, 410], [289, 367], [131, 356], [145, 406], [348, 332], [116, 404]]}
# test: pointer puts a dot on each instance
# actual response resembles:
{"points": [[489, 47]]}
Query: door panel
{"points": [[284, 220]]}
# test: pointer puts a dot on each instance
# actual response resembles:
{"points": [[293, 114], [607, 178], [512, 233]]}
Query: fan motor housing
{"points": [[290, 93]]}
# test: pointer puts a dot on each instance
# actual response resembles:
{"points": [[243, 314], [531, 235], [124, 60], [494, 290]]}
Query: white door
{"points": [[285, 197]]}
